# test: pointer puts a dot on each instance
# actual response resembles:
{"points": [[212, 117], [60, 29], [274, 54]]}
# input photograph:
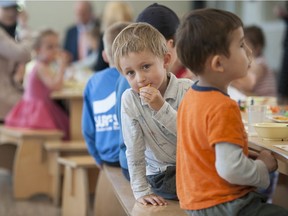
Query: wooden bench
{"points": [[55, 150], [80, 175], [30, 167], [114, 190]]}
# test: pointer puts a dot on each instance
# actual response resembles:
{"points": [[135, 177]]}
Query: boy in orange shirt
{"points": [[214, 174]]}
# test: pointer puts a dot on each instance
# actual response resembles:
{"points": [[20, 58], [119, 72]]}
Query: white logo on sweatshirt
{"points": [[104, 121]]}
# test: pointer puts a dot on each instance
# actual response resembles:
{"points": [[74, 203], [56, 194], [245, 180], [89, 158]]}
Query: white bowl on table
{"points": [[272, 131]]}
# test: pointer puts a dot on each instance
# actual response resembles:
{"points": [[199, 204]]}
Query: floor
{"points": [[39, 205]]}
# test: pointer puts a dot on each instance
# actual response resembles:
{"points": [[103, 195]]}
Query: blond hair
{"points": [[109, 35], [138, 37], [116, 12]]}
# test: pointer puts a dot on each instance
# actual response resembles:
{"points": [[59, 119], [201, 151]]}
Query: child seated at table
{"points": [[148, 111], [215, 175], [100, 127], [36, 109], [260, 79]]}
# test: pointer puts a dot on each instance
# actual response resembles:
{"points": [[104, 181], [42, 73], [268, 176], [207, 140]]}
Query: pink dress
{"points": [[37, 110]]}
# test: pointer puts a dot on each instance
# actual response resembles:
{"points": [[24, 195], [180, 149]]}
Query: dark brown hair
{"points": [[255, 36], [202, 33]]}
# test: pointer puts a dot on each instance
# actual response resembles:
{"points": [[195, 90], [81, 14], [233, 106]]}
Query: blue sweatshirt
{"points": [[100, 127], [121, 85]]}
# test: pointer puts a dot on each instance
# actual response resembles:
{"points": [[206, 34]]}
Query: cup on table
{"points": [[256, 114]]}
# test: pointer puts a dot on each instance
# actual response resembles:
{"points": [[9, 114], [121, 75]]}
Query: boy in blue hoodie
{"points": [[100, 127]]}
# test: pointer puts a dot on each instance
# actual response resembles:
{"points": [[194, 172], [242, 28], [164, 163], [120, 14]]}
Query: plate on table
{"points": [[279, 118]]}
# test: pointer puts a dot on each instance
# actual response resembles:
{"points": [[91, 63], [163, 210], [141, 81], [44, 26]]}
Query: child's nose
{"points": [[141, 78]]}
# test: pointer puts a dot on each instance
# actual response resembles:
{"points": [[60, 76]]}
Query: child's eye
{"points": [[242, 44], [129, 73], [146, 67]]}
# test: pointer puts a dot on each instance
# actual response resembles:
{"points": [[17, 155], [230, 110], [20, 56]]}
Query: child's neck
{"points": [[164, 85], [222, 86]]}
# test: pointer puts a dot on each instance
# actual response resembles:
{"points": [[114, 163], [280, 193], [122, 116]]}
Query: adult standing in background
{"points": [[75, 42], [12, 54], [283, 75]]}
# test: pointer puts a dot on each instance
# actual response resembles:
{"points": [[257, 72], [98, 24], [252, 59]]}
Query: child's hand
{"points": [[152, 96], [63, 58], [253, 154], [269, 160], [152, 199]]}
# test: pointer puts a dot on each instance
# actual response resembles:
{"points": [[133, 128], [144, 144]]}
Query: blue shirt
{"points": [[100, 126], [121, 85]]}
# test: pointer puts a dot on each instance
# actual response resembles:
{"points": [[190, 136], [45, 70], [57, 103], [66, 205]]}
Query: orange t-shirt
{"points": [[206, 117]]}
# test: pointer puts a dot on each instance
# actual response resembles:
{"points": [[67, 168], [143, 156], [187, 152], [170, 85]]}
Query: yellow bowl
{"points": [[272, 131]]}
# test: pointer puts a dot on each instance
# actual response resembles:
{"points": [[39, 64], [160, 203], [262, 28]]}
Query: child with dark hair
{"points": [[215, 173]]}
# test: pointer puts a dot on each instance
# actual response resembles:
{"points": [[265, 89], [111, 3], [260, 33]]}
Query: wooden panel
{"points": [[106, 202]]}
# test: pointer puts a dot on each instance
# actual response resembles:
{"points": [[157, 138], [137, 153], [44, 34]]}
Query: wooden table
{"points": [[74, 97]]}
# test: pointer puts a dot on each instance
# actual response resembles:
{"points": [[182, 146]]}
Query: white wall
{"points": [[59, 15]]}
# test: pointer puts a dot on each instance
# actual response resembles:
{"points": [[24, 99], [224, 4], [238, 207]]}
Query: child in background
{"points": [[92, 37], [215, 175], [148, 111], [166, 22], [100, 127], [181, 71], [36, 109], [260, 79]]}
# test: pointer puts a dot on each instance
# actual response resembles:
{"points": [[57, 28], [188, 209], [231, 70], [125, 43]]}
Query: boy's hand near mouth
{"points": [[152, 96]]}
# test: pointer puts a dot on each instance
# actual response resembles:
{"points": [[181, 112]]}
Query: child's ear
{"points": [[170, 44], [216, 63], [105, 57], [167, 60]]}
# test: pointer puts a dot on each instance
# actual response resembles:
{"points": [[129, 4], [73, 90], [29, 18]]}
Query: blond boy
{"points": [[148, 111]]}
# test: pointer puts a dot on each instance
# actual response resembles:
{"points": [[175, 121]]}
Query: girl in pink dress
{"points": [[36, 109]]}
